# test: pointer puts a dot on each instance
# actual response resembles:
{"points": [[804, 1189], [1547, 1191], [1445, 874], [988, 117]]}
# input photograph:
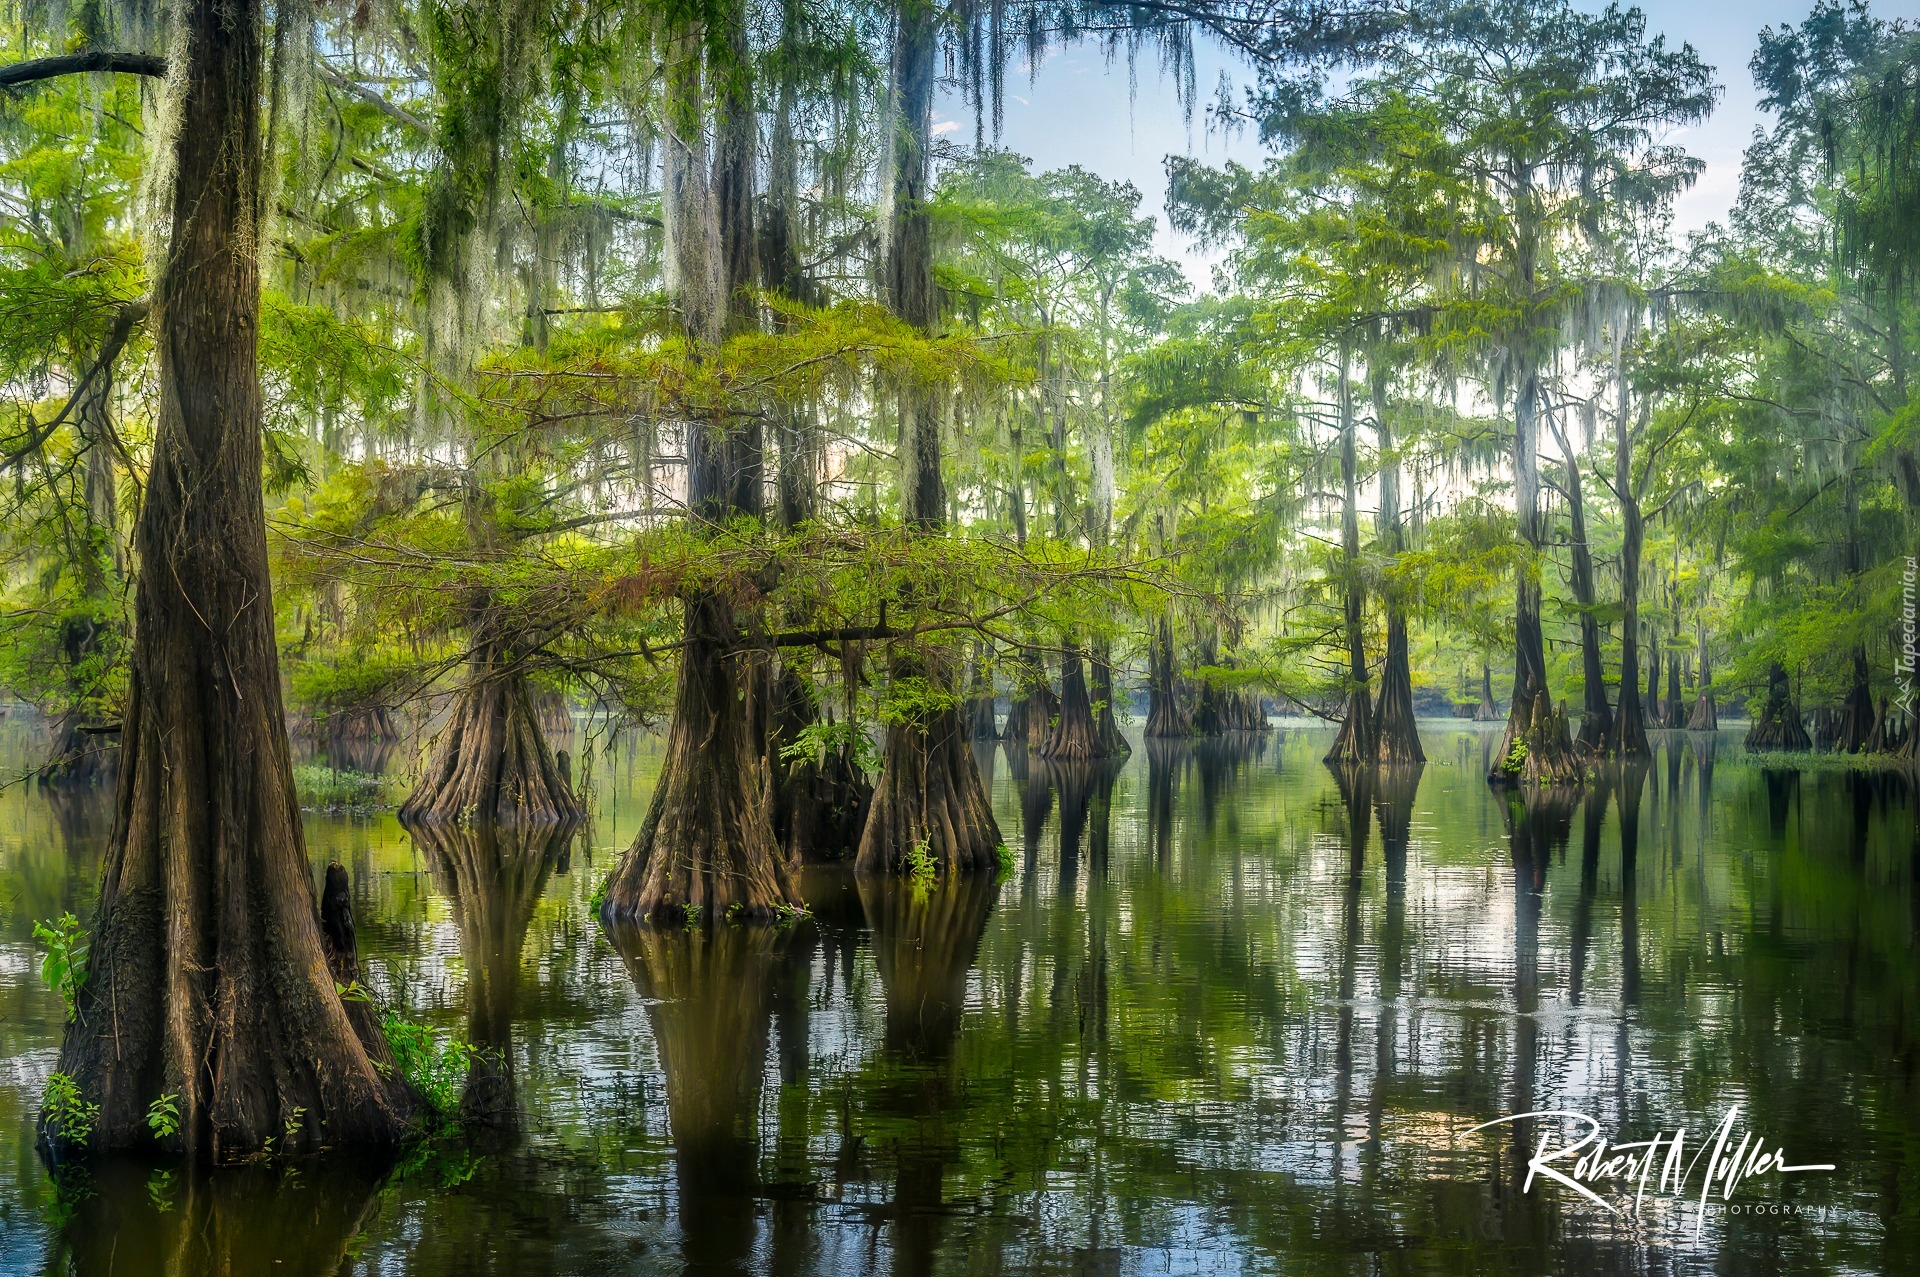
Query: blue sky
{"points": [[1078, 109]]}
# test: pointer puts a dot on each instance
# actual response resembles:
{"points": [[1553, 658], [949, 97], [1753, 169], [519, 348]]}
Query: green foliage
{"points": [[1003, 858], [64, 967], [823, 737], [323, 788], [64, 1108], [163, 1117], [436, 1070], [918, 863]]}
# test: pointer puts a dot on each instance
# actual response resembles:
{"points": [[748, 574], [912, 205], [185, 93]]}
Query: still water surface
{"points": [[1228, 1014]]}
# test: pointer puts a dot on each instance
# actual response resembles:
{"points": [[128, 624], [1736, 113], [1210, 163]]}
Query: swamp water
{"points": [[1228, 1013]]}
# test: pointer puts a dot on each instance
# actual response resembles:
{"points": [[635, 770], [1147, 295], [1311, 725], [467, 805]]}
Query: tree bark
{"points": [[1166, 717], [1630, 725], [1596, 718], [1396, 732], [1778, 727], [1354, 741], [1074, 735], [706, 848], [209, 979], [929, 795], [1706, 714], [1106, 726], [491, 763]]}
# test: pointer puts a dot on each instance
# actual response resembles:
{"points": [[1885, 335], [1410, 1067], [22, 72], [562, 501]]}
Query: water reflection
{"points": [[493, 878], [131, 1219], [709, 995], [1231, 1011]]}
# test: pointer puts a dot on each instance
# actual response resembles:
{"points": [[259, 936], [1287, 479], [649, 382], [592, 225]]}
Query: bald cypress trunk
{"points": [[208, 978], [1354, 742], [1778, 726], [706, 847], [1596, 718], [1629, 724], [1396, 733], [1166, 717], [1074, 735], [929, 795]]}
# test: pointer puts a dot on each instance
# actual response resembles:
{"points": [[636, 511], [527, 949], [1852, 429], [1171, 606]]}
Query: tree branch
{"points": [[37, 69]]}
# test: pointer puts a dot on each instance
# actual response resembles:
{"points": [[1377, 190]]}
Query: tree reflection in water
{"points": [[1233, 1011], [493, 877], [137, 1219]]}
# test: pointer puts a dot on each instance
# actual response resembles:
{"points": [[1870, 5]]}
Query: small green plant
{"points": [[600, 889], [163, 1117], [736, 911], [296, 1120], [64, 969], [66, 1110], [1517, 756], [353, 991], [435, 1072], [1004, 857], [918, 863]]}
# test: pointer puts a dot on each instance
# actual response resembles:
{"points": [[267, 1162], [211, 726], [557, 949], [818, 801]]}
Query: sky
{"points": [[1079, 109]]}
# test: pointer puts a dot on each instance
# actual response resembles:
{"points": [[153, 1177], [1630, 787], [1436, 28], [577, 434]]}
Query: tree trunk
{"points": [[1074, 735], [981, 722], [1671, 711], [1596, 718], [1651, 706], [491, 763], [1106, 726], [1856, 712], [1531, 717], [1166, 717], [1489, 710], [1396, 733], [1706, 715], [1778, 727], [208, 976], [929, 796], [706, 847], [1354, 742], [1629, 726]]}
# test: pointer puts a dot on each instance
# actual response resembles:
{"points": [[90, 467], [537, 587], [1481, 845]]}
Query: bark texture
{"points": [[491, 763], [208, 977], [1166, 717], [929, 797], [1075, 735], [1778, 727]]}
